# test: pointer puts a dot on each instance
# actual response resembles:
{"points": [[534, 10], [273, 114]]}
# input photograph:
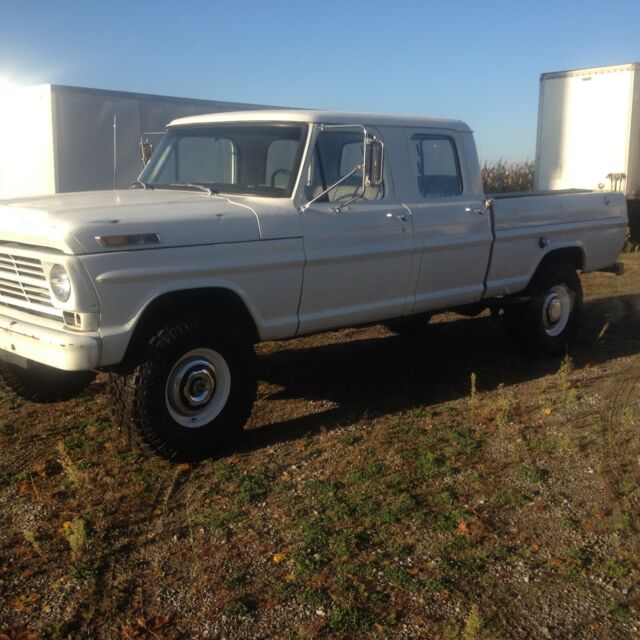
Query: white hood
{"points": [[70, 222]]}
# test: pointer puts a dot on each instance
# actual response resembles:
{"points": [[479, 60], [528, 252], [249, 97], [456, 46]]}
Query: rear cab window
{"points": [[436, 164]]}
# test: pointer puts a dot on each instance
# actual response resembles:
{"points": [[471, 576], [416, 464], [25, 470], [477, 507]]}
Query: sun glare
{"points": [[6, 83]]}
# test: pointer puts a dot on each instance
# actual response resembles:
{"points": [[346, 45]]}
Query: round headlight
{"points": [[60, 282]]}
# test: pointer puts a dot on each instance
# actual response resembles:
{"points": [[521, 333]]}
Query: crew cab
{"points": [[267, 225]]}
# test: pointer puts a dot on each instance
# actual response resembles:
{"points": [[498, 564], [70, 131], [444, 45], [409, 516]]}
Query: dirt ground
{"points": [[445, 487]]}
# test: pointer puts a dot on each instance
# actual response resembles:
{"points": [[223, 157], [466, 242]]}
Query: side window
{"points": [[336, 153], [435, 161], [350, 156]]}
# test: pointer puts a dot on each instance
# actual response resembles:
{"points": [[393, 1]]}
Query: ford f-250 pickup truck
{"points": [[267, 225]]}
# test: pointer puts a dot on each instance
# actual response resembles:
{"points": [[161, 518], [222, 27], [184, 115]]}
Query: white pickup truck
{"points": [[268, 225]]}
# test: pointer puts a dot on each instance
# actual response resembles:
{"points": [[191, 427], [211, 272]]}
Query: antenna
{"points": [[115, 149]]}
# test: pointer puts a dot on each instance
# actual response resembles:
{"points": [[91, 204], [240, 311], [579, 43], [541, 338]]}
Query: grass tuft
{"points": [[564, 373], [474, 401]]}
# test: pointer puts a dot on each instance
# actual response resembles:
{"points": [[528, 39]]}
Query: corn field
{"points": [[509, 177], [505, 177]]}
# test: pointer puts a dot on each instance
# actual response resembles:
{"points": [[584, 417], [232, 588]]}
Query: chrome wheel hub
{"points": [[197, 385], [197, 388], [556, 310]]}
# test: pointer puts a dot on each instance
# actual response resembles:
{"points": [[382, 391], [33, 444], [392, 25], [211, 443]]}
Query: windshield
{"points": [[256, 159]]}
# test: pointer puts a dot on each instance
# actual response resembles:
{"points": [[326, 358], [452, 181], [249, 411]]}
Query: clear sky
{"points": [[477, 61]]}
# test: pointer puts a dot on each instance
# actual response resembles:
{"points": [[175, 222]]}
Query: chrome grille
{"points": [[23, 284]]}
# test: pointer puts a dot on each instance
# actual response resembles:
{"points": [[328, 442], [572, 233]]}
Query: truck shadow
{"points": [[379, 374]]}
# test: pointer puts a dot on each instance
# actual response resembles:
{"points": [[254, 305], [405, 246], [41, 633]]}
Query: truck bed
{"points": [[526, 224]]}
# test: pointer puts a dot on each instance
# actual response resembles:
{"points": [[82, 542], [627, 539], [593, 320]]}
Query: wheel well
{"points": [[192, 301], [572, 255]]}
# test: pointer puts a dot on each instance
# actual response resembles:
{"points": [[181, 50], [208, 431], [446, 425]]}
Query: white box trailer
{"points": [[55, 139], [589, 132]]}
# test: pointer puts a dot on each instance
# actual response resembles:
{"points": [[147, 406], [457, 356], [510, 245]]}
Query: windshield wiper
{"points": [[138, 184], [192, 185]]}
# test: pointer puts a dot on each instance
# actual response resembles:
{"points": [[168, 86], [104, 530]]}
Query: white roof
{"points": [[321, 117]]}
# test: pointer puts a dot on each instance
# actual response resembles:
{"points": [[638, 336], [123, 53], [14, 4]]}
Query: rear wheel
{"points": [[191, 389], [40, 383], [548, 321]]}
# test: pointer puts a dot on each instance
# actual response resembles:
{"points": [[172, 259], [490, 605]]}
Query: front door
{"points": [[358, 260]]}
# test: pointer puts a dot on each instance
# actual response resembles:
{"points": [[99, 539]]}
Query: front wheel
{"points": [[192, 388], [40, 383], [548, 321]]}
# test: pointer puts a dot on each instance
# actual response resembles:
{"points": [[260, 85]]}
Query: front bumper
{"points": [[51, 346]]}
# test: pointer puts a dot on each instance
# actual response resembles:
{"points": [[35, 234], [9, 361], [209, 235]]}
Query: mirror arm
{"points": [[367, 139], [304, 207], [357, 196], [366, 182]]}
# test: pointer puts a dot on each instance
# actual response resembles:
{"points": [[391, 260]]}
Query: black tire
{"points": [[40, 383], [207, 354], [409, 327], [533, 326]]}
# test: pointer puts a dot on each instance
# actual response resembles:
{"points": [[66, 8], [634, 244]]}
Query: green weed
{"points": [[398, 508], [7, 429], [400, 577], [535, 474], [372, 470], [570, 524], [349, 438], [351, 619], [237, 608], [75, 534], [620, 612], [473, 624], [74, 475], [235, 581], [473, 392], [221, 518], [564, 374], [504, 407], [578, 560], [30, 537], [616, 569], [312, 597], [252, 488]]}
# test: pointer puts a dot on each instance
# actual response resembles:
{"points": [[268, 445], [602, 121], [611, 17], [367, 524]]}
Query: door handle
{"points": [[480, 211], [399, 216]]}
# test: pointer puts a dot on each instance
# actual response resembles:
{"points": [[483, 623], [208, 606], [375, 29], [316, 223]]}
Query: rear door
{"points": [[359, 259], [450, 224]]}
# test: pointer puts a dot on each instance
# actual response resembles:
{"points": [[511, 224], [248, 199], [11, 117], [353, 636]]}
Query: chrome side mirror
{"points": [[374, 162], [146, 147]]}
